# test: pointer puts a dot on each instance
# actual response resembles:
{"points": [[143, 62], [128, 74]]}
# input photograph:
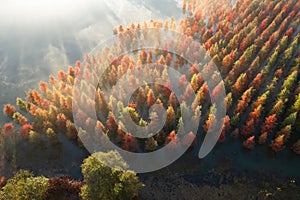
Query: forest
{"points": [[250, 53]]}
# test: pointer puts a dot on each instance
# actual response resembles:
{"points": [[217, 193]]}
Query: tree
{"points": [[71, 130], [286, 132], [240, 84], [277, 108], [105, 182], [290, 120], [43, 86], [296, 147], [23, 186], [228, 101], [173, 100], [277, 144], [227, 62], [52, 136], [225, 128], [61, 75], [257, 81], [248, 129], [244, 102], [9, 110], [249, 143], [25, 130], [61, 120], [269, 124], [262, 138], [151, 144], [111, 123], [129, 143], [35, 138], [171, 118], [194, 82], [150, 98], [211, 118], [21, 104], [296, 105], [172, 140]]}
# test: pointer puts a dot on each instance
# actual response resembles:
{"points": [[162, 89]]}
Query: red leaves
{"points": [[43, 86], [150, 98], [24, 132], [9, 110], [289, 32], [34, 96], [227, 62], [71, 71], [172, 139], [211, 119], [262, 138], [277, 144], [111, 123], [208, 44], [217, 91], [171, 118], [61, 75], [132, 105], [63, 188], [195, 27], [182, 80], [248, 129], [269, 124], [198, 14], [3, 181], [129, 143], [173, 100], [71, 130], [266, 128], [249, 143], [244, 44], [188, 32], [225, 128], [8, 128], [244, 102], [61, 122], [263, 25], [257, 81]]}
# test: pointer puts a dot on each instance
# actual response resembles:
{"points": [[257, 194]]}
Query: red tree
{"points": [[150, 98], [9, 110], [249, 143], [277, 144], [269, 124]]}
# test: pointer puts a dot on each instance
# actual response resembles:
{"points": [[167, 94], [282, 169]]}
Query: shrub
{"points": [[63, 188]]}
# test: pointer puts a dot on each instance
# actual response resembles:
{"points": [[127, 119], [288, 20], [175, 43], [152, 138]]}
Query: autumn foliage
{"points": [[255, 47]]}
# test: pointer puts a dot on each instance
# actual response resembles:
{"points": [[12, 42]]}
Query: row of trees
{"points": [[100, 182]]}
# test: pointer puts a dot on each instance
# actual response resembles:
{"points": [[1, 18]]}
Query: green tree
{"points": [[23, 186], [151, 144], [290, 120], [102, 182]]}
